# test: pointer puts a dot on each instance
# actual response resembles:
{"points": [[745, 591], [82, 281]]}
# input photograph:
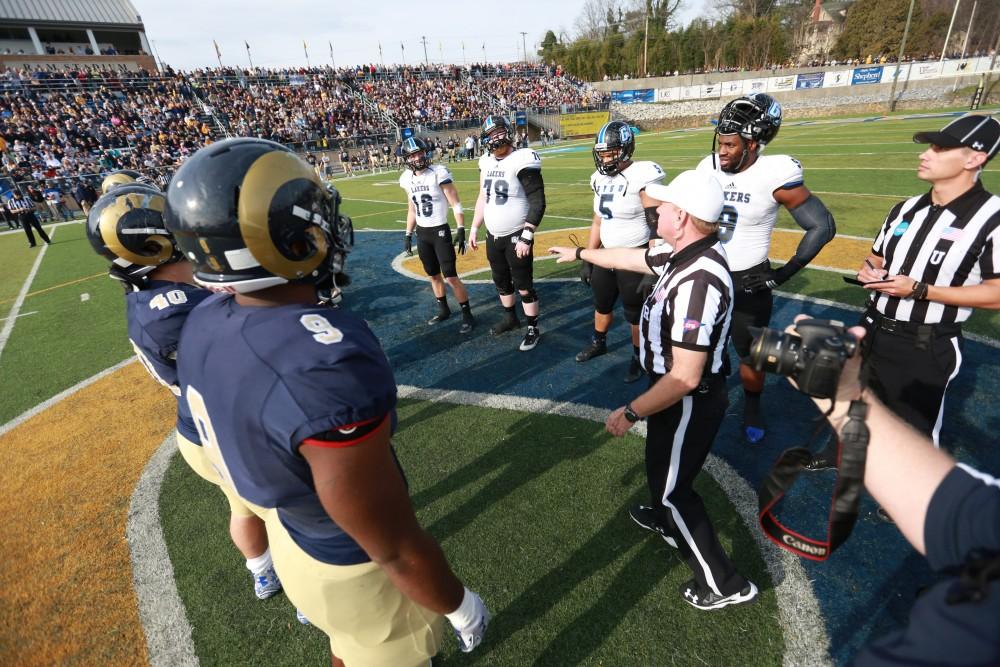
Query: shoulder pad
{"points": [[404, 179], [708, 163], [784, 171], [525, 158], [443, 173], [645, 172]]}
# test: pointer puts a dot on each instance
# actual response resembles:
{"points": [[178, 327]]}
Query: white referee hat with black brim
{"points": [[695, 192], [980, 133]]}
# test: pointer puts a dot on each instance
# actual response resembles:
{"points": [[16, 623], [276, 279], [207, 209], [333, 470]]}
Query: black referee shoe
{"points": [[505, 325], [440, 317], [707, 600], [635, 370], [595, 349], [646, 517]]}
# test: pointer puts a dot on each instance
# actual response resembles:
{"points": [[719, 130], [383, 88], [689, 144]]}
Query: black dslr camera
{"points": [[813, 358]]}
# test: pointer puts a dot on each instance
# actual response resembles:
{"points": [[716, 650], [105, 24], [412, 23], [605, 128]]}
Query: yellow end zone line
{"points": [[59, 286]]}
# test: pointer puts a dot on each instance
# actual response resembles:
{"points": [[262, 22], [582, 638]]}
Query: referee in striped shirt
{"points": [[23, 209], [683, 329], [936, 258]]}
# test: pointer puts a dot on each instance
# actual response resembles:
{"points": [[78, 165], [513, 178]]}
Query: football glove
{"points": [[646, 285], [770, 278], [586, 270], [469, 621], [460, 240], [408, 245]]}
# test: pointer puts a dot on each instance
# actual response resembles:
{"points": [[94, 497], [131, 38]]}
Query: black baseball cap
{"points": [[980, 133]]}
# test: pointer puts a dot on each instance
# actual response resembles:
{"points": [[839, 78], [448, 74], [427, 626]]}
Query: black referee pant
{"points": [[910, 366], [678, 440], [28, 220]]}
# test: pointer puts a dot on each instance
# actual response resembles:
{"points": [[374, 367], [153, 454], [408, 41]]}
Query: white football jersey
{"points": [[617, 201], [750, 210], [424, 191], [506, 203]]}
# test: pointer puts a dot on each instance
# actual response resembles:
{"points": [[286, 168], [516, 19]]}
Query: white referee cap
{"points": [[695, 192]]}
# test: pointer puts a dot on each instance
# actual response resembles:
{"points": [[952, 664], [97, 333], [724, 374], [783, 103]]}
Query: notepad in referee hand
{"points": [[854, 281]]}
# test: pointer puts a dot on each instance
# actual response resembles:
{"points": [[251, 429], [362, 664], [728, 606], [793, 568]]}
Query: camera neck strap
{"points": [[852, 451]]}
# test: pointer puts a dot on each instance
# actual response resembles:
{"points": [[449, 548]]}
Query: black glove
{"points": [[645, 285], [408, 244], [460, 240], [342, 279], [586, 270], [770, 278]]}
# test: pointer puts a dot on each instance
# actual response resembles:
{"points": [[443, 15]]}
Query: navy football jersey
{"points": [[155, 318], [260, 381]]}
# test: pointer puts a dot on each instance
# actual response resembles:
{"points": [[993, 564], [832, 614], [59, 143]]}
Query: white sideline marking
{"points": [[50, 227], [33, 312], [66, 393], [798, 610], [8, 326], [161, 610]]}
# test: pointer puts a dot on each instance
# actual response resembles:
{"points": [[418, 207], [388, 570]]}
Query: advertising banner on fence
{"points": [[732, 88], [889, 71], [836, 79], [690, 92], [865, 75], [668, 94], [754, 86], [814, 80], [779, 83], [711, 90], [633, 96], [925, 70], [582, 124]]}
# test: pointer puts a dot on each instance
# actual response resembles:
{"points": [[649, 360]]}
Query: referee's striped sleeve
{"points": [[879, 243], [989, 261], [697, 303]]}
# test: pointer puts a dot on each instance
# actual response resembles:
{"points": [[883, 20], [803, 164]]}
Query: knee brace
{"points": [[505, 290], [530, 296]]}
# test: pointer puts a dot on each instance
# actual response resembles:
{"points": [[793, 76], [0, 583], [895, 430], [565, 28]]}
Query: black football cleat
{"points": [[646, 517], [595, 349], [635, 370]]}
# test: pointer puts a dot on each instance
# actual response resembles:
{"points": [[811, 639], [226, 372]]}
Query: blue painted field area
{"points": [[865, 589]]}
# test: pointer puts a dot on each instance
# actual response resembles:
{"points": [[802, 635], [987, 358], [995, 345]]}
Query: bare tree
{"points": [[592, 23]]}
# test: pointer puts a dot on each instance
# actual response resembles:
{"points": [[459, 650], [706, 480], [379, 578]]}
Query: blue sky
{"points": [[183, 30]]}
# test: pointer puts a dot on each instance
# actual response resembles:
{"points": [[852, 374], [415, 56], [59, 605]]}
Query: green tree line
{"points": [[755, 34]]}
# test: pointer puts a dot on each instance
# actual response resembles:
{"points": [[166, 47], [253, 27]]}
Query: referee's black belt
{"points": [[914, 329]]}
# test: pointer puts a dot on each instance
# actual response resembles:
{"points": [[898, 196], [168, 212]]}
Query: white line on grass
{"points": [[33, 312], [798, 610], [161, 610], [51, 227], [8, 326]]}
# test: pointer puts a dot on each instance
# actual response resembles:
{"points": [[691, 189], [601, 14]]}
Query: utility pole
{"points": [[947, 37], [423, 40], [645, 45], [989, 72], [524, 48], [965, 43], [899, 61]]}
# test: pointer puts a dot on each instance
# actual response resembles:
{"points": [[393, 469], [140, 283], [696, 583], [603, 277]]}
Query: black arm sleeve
{"points": [[534, 190], [812, 216], [652, 220]]}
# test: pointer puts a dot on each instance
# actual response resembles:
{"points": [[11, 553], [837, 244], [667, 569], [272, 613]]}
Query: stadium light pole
{"points": [[524, 46], [965, 43], [423, 39], [899, 61]]}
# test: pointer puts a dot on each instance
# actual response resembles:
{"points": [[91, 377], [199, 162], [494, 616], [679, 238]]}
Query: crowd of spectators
{"points": [[60, 126]]}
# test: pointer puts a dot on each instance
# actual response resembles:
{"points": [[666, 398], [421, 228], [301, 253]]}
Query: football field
{"points": [[119, 554]]}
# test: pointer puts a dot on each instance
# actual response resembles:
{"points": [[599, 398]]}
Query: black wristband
{"points": [[579, 252]]}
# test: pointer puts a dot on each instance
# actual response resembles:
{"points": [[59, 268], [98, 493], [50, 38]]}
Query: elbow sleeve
{"points": [[534, 191], [813, 216]]}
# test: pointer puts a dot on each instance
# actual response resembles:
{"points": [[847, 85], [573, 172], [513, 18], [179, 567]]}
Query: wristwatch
{"points": [[631, 415]]}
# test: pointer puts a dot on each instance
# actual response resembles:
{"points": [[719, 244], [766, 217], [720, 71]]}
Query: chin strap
{"points": [[852, 452]]}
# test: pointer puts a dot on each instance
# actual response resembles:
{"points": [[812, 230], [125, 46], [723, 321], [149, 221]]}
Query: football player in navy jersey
{"points": [[126, 227], [755, 185], [295, 403]]}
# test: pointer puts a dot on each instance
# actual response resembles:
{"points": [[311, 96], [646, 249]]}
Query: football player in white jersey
{"points": [[755, 185], [620, 221], [512, 203], [430, 191]]}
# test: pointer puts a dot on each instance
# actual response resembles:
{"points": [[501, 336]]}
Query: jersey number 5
{"points": [[602, 206]]}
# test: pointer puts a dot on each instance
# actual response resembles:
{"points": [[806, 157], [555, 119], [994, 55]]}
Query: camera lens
{"points": [[774, 351]]}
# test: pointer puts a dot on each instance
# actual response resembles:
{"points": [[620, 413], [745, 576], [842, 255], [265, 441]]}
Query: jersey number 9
{"points": [[500, 190], [727, 223]]}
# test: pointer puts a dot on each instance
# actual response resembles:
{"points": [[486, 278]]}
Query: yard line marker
{"points": [[8, 326], [34, 312]]}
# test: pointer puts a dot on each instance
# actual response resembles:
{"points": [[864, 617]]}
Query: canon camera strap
{"points": [[852, 450]]}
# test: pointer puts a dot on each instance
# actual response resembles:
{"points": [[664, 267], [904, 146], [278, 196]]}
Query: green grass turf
{"points": [[67, 339], [531, 511], [860, 169]]}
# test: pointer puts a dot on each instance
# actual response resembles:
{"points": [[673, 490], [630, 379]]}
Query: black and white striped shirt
{"points": [[690, 307], [955, 245], [15, 205]]}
